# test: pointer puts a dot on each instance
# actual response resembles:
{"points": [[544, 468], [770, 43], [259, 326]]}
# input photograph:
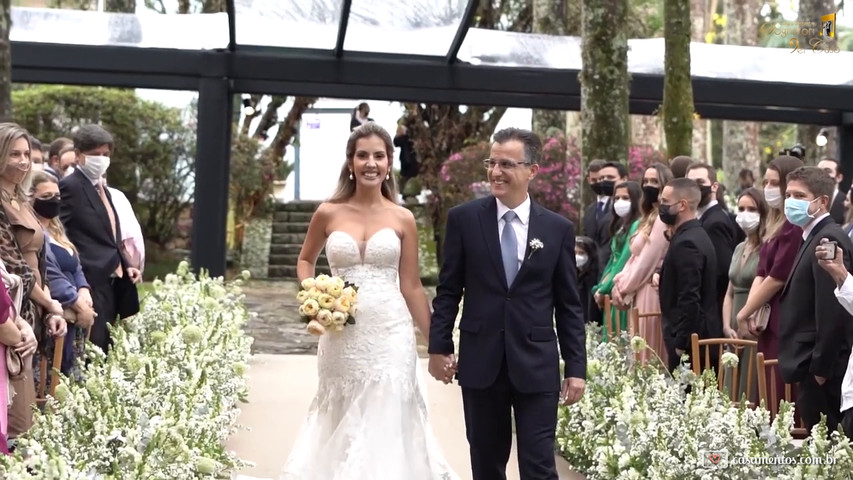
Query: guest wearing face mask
{"points": [[598, 221], [626, 220], [89, 218], [587, 264], [752, 211]]}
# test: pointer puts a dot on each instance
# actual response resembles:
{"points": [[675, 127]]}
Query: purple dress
{"points": [[776, 259]]}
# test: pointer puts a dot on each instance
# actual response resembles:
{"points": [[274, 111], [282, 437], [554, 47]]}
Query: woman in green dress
{"points": [[627, 197], [752, 213]]}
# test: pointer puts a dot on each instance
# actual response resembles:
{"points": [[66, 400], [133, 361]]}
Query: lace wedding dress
{"points": [[368, 420]]}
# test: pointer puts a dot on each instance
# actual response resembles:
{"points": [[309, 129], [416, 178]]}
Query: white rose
{"points": [[308, 284], [339, 318], [324, 317]]}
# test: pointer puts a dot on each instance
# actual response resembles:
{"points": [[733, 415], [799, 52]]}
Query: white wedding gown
{"points": [[368, 420]]}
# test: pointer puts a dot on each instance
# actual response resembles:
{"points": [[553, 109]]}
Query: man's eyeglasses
{"points": [[504, 164]]}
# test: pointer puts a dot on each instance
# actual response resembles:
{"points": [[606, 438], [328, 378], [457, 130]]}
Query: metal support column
{"points": [[212, 172], [845, 149]]}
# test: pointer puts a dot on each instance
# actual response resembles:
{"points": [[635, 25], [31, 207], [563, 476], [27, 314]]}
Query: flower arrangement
{"points": [[327, 303], [535, 244], [161, 403], [635, 422]]}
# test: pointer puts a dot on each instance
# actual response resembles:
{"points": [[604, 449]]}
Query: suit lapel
{"points": [[805, 246], [489, 227], [534, 230], [96, 202]]}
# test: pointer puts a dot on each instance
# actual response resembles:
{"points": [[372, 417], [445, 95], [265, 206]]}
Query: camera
{"points": [[798, 151], [830, 249]]}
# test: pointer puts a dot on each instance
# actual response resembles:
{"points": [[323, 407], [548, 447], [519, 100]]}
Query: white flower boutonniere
{"points": [[535, 244]]}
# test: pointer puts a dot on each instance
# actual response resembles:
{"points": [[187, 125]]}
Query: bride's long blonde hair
{"points": [[346, 187]]}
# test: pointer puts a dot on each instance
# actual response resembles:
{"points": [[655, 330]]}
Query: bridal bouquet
{"points": [[327, 303]]}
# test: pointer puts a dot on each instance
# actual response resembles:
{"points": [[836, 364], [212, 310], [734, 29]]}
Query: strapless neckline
{"points": [[361, 246]]}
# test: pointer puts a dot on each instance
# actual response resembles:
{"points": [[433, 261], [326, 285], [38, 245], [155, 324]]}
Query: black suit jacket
{"points": [[509, 323], [815, 331], [836, 210], [599, 230], [87, 225], [688, 287], [723, 233]]}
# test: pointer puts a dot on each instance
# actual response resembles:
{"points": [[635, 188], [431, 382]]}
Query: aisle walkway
{"points": [[280, 391]]}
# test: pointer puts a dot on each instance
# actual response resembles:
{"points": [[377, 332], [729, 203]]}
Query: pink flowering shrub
{"points": [[556, 185], [640, 157], [463, 175]]}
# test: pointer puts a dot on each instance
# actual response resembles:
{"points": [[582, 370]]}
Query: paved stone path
{"points": [[277, 329]]}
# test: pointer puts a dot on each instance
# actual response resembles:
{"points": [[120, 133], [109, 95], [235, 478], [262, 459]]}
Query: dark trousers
{"points": [[488, 423], [814, 400], [104, 300]]}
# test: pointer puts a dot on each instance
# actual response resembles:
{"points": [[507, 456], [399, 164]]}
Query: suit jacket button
{"points": [[507, 299]]}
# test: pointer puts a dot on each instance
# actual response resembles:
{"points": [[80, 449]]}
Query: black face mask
{"points": [[651, 194], [46, 207], [666, 215], [604, 187], [706, 195]]}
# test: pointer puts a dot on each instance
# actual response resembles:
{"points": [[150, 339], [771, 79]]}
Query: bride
{"points": [[368, 420]]}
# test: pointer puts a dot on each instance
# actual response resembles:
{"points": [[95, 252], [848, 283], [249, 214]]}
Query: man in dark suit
{"points": [[688, 281], [722, 230], [514, 261], [815, 331], [836, 206], [598, 215], [92, 225]]}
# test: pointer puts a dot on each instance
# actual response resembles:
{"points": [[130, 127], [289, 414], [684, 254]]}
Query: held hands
{"points": [[573, 389], [442, 367]]}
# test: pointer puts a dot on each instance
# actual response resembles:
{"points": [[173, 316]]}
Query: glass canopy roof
{"points": [[405, 27]]}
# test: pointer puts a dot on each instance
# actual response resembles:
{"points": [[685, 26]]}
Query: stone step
{"points": [[287, 238], [287, 272], [289, 227], [285, 249], [291, 259], [299, 217], [297, 206]]}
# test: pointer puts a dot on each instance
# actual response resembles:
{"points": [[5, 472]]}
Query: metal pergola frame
{"points": [[220, 74]]}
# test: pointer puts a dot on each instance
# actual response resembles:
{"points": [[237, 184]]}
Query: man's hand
{"points": [[573, 389], [86, 318], [56, 326], [134, 274], [442, 367], [835, 267]]}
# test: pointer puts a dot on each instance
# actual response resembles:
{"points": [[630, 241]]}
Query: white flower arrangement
{"points": [[160, 405], [636, 422], [327, 303]]}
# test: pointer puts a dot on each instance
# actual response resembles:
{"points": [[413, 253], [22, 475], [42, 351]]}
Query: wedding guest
{"points": [[597, 223], [22, 251], [360, 116], [10, 337], [65, 276], [780, 243], [623, 226], [831, 168], [679, 166], [688, 288], [632, 287], [586, 260], [751, 218]]}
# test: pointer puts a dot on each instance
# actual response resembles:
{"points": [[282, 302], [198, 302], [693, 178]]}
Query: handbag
{"points": [[14, 284], [761, 318]]}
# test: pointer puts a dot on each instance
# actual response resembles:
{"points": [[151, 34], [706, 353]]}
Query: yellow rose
{"points": [[324, 317], [322, 282], [308, 284], [349, 292], [314, 328], [339, 318], [326, 301], [343, 305], [301, 296], [333, 290], [310, 307], [338, 282], [314, 293]]}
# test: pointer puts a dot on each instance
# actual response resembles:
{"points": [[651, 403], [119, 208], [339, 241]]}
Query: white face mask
{"points": [[748, 221], [622, 207], [773, 195], [95, 167], [68, 170], [581, 260]]}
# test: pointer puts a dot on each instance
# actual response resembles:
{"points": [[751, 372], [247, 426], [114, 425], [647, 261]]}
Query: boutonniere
{"points": [[535, 244]]}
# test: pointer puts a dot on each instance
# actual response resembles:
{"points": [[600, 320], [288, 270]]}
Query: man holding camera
{"points": [[816, 333]]}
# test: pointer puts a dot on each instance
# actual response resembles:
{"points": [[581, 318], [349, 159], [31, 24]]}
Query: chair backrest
{"points": [[613, 330], [724, 374], [43, 389], [767, 392]]}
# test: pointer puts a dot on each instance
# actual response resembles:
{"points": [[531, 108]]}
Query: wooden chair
{"points": [[771, 397], [635, 318], [611, 323], [41, 396], [732, 344]]}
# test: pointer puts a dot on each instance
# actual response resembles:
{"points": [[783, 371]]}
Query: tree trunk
{"points": [[551, 17], [809, 18], [5, 62], [120, 6], [701, 15], [287, 128], [677, 88], [740, 139], [604, 81]]}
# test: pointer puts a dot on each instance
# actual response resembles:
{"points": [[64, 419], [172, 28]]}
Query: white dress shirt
{"points": [[701, 211], [519, 225], [844, 294], [808, 228]]}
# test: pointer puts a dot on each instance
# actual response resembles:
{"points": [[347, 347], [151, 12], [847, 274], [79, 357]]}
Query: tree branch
{"points": [[269, 117]]}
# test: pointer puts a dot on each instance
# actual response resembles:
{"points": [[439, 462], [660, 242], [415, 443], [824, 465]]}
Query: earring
{"points": [[387, 176], [350, 176]]}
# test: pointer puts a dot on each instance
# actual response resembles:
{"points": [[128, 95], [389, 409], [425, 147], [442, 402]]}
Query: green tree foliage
{"points": [[154, 154]]}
